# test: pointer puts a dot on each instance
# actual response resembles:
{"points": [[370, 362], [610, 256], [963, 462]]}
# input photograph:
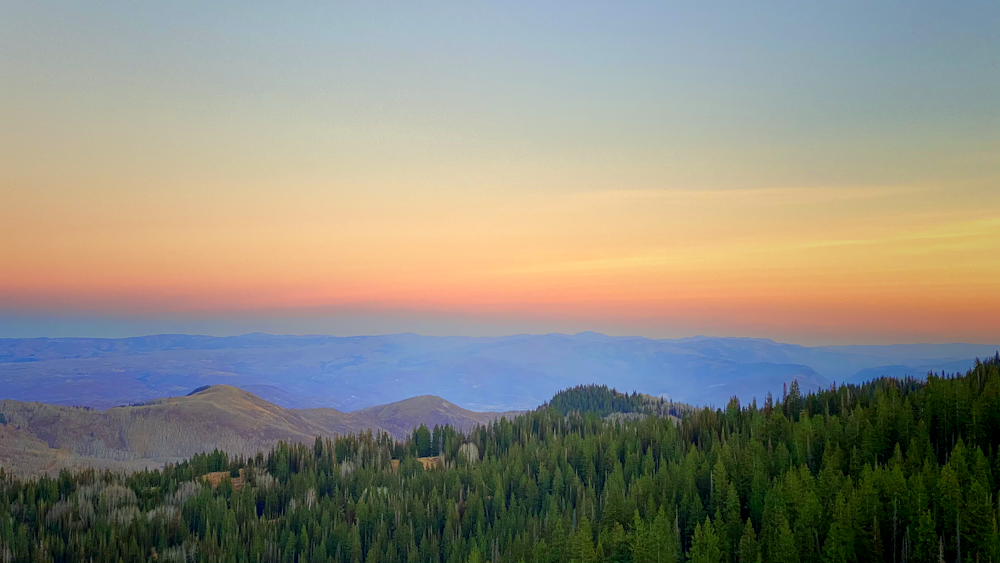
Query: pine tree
{"points": [[839, 544], [793, 403], [950, 503], [639, 537], [925, 542], [977, 522], [422, 440], [771, 524], [749, 551], [720, 485], [705, 545], [995, 541], [877, 552], [540, 552], [615, 504], [615, 544], [559, 546], [784, 547], [731, 523], [807, 511], [665, 545], [583, 543]]}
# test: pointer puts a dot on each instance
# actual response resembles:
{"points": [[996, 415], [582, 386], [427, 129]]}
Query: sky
{"points": [[812, 172]]}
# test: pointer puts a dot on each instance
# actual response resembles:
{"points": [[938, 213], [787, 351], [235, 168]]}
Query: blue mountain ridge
{"points": [[480, 373]]}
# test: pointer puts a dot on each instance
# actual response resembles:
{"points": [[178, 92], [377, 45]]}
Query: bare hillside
{"points": [[401, 417], [43, 437]]}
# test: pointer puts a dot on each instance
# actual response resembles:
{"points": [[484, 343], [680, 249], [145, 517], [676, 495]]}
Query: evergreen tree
{"points": [[642, 548], [559, 544], [784, 546], [749, 551], [583, 543], [422, 439], [771, 524], [950, 509], [664, 543], [793, 403], [732, 525], [977, 523], [616, 545], [925, 543], [705, 547], [839, 544]]}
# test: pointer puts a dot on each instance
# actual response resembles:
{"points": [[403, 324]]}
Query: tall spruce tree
{"points": [[749, 550], [705, 546]]}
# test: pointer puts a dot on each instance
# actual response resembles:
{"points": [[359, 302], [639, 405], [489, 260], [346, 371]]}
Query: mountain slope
{"points": [[221, 417], [397, 418], [40, 436]]}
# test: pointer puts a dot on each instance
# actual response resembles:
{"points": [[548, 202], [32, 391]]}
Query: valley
{"points": [[516, 372]]}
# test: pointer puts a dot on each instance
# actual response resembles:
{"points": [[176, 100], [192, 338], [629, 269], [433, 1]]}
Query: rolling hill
{"points": [[398, 418], [44, 437]]}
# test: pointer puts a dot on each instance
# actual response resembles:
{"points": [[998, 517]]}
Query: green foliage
{"points": [[925, 544], [422, 440], [595, 399], [603, 401], [894, 470], [583, 543], [705, 547], [749, 550]]}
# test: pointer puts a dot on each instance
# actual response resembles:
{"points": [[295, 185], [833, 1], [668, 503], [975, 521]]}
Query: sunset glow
{"points": [[327, 171]]}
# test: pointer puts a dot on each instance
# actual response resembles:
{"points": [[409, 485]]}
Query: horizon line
{"points": [[513, 335]]}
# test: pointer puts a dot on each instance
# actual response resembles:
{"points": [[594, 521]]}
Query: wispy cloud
{"points": [[752, 196], [982, 234]]}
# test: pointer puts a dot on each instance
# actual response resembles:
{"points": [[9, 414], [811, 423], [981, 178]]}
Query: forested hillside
{"points": [[891, 471], [602, 401]]}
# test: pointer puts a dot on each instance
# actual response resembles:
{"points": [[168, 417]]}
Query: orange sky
{"points": [[904, 260], [145, 177]]}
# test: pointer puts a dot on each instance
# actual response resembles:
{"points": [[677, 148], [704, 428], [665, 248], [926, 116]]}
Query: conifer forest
{"points": [[892, 471]]}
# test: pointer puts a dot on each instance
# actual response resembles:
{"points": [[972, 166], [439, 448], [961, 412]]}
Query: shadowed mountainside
{"points": [[44, 437]]}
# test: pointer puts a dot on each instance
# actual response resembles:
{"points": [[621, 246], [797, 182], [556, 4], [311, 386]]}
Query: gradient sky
{"points": [[814, 172]]}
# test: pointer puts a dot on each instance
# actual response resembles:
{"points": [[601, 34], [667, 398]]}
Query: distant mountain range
{"points": [[38, 437], [484, 374]]}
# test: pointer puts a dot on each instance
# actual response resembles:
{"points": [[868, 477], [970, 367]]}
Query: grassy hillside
{"points": [[398, 418], [43, 437]]}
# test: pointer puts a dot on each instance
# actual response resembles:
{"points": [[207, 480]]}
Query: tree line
{"points": [[895, 470]]}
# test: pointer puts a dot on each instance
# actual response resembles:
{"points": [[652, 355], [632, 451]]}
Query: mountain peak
{"points": [[226, 397], [221, 390], [414, 404]]}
